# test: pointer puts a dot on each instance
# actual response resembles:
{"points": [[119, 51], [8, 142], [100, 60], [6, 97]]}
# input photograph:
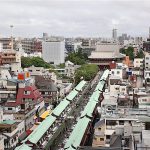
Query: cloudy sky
{"points": [[71, 18]]}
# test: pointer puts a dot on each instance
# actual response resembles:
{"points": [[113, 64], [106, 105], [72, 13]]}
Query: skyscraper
{"points": [[114, 34], [149, 32]]}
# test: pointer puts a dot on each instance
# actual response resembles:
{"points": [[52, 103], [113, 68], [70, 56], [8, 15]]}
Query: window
{"points": [[121, 122], [147, 58], [112, 72], [123, 89], [9, 108], [144, 100], [101, 139], [107, 136], [118, 72], [99, 128], [27, 92]]}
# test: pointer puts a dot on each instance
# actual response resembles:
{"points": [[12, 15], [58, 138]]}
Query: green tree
{"points": [[61, 65], [129, 52], [26, 62], [87, 71], [36, 61], [140, 54], [78, 58]]}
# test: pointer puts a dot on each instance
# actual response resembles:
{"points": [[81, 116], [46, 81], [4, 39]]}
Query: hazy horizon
{"points": [[74, 18]]}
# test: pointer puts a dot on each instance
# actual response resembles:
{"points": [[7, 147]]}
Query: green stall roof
{"points": [[61, 107], [100, 85], [88, 110], [23, 147], [77, 134], [105, 75], [35, 136], [72, 95], [80, 85]]}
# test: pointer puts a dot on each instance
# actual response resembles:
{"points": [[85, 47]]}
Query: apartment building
{"points": [[31, 45]]}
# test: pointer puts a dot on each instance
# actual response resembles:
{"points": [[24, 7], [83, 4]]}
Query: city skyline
{"points": [[74, 18]]}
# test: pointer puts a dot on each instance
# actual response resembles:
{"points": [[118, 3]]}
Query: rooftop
{"points": [[9, 122]]}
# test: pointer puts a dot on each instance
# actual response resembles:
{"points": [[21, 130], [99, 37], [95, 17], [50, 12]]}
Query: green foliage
{"points": [[61, 65], [78, 58], [129, 52], [140, 54], [36, 61], [87, 71]]}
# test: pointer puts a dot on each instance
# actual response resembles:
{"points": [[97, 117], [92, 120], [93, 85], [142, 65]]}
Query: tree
{"points": [[26, 62], [78, 58], [61, 65], [129, 52], [87, 71], [35, 61], [140, 54]]}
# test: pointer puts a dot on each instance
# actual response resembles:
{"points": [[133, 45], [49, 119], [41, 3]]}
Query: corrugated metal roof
{"points": [[80, 85], [88, 110], [61, 107], [40, 130], [105, 75], [72, 95], [23, 147], [77, 134]]}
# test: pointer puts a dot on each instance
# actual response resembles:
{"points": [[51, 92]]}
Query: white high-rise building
{"points": [[114, 34], [53, 51]]}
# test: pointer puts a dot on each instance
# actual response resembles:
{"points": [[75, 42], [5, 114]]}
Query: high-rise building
{"points": [[53, 51], [149, 32], [45, 36], [114, 34]]}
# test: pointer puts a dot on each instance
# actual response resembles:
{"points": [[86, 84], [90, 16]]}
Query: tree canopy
{"points": [[87, 71], [129, 52], [35, 61], [140, 54], [78, 58]]}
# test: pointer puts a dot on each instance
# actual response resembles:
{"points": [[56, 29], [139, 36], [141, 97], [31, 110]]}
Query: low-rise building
{"points": [[147, 61], [138, 63]]}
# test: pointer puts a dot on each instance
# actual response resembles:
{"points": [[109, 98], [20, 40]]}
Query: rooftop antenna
{"points": [[11, 26]]}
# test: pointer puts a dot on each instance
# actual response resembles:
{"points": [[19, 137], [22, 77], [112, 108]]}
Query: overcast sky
{"points": [[71, 18]]}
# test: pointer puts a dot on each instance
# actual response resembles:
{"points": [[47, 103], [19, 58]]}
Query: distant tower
{"points": [[114, 34], [45, 36], [12, 44], [149, 32]]}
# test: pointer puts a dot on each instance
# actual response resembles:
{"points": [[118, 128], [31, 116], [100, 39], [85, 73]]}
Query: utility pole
{"points": [[11, 26]]}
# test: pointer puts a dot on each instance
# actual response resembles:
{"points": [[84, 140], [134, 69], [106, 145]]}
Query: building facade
{"points": [[54, 52]]}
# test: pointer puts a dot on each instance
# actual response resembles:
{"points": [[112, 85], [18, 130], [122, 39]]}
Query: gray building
{"points": [[53, 51]]}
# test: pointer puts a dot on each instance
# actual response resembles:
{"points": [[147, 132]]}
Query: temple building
{"points": [[105, 53]]}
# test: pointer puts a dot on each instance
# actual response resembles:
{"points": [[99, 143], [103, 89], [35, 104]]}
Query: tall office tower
{"points": [[149, 32], [53, 51], [45, 36], [114, 34]]}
